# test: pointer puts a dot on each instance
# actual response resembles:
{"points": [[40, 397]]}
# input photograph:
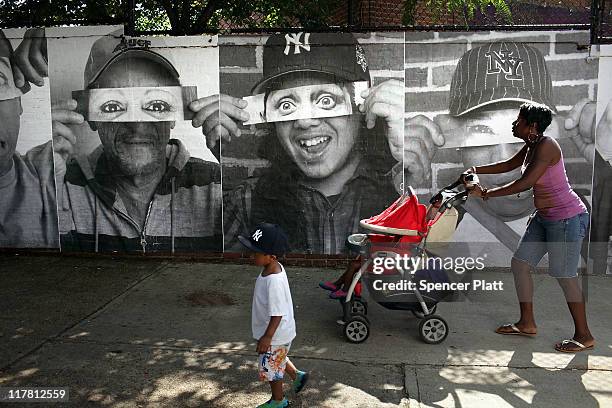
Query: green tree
{"points": [[465, 8], [192, 16]]}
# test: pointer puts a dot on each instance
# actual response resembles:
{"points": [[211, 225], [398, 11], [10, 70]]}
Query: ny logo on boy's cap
{"points": [[256, 235], [296, 40], [504, 61]]}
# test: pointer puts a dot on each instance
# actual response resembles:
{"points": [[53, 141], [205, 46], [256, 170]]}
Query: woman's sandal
{"points": [[562, 347], [512, 330]]}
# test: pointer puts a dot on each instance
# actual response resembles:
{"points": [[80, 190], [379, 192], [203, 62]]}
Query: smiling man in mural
{"points": [[140, 190], [332, 138], [28, 216]]}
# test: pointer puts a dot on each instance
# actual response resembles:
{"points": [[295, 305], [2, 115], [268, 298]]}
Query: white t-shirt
{"points": [[272, 297]]}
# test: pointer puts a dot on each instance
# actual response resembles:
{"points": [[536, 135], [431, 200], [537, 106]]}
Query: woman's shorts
{"points": [[273, 362], [561, 239]]}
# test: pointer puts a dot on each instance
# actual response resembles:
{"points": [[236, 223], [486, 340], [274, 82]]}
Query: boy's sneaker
{"points": [[300, 381], [275, 404], [339, 294], [327, 285]]}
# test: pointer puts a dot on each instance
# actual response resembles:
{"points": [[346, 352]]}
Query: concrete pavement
{"points": [[132, 333]]}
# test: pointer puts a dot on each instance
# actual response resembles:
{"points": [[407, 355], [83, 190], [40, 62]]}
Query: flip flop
{"points": [[581, 347], [515, 331]]}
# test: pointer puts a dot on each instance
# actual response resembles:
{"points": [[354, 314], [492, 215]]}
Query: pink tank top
{"points": [[553, 196]]}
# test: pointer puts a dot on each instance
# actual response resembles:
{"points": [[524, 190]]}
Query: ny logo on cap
{"points": [[504, 61], [296, 40], [256, 235]]}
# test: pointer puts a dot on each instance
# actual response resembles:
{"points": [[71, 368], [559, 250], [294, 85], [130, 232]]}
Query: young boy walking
{"points": [[272, 319]]}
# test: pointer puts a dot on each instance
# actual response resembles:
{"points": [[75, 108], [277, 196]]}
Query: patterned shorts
{"points": [[273, 362]]}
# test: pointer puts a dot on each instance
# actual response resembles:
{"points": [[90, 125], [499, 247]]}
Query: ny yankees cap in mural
{"points": [[337, 54], [109, 48], [503, 71], [266, 238]]}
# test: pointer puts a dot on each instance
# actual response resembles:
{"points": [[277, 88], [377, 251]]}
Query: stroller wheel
{"points": [[433, 329], [358, 306], [420, 314], [357, 329]]}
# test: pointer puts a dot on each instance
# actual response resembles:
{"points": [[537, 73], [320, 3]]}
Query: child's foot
{"points": [[300, 381], [327, 285], [338, 294], [275, 404]]}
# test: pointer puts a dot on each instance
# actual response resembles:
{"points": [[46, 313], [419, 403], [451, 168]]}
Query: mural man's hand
{"points": [[386, 100], [580, 126], [422, 137], [217, 115], [30, 59], [64, 139]]}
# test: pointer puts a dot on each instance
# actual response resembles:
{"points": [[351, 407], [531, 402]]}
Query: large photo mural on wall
{"points": [[134, 173], [28, 211], [323, 149], [179, 144], [469, 87], [601, 231]]}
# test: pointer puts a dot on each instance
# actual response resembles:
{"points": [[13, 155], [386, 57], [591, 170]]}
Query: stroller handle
{"points": [[451, 196]]}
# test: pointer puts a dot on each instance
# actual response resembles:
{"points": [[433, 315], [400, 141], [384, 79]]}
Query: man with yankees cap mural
{"points": [[489, 84], [140, 190], [331, 137]]}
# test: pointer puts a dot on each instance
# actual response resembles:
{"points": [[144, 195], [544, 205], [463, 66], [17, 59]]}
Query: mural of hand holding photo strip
{"points": [[140, 177], [383, 111]]}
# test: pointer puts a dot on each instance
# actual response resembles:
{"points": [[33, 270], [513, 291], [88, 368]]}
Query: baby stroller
{"points": [[408, 236]]}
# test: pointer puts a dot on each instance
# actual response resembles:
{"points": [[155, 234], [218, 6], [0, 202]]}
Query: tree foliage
{"points": [[465, 8], [191, 16]]}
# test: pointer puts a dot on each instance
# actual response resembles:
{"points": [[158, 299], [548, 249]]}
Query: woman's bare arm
{"points": [[503, 166]]}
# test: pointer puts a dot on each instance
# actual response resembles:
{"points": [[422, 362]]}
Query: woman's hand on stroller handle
{"points": [[469, 178]]}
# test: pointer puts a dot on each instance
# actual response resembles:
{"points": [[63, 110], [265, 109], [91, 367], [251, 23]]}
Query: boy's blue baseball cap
{"points": [[266, 238]]}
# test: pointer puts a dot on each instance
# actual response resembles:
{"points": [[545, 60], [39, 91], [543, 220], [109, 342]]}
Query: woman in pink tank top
{"points": [[557, 227]]}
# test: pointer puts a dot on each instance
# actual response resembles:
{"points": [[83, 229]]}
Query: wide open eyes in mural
{"points": [[305, 102], [136, 104]]}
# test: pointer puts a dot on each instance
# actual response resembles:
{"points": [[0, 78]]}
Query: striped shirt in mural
{"points": [[184, 215], [314, 223]]}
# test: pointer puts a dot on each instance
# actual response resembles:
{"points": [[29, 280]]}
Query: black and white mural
{"points": [[28, 211], [133, 169]]}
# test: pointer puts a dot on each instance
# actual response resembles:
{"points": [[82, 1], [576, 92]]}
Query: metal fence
{"points": [[346, 15]]}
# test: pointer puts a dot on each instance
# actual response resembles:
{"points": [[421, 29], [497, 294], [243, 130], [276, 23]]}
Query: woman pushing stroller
{"points": [[557, 227]]}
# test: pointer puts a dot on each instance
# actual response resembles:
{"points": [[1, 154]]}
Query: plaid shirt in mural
{"points": [[184, 215], [314, 223]]}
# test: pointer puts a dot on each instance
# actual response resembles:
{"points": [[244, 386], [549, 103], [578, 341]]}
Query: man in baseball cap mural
{"points": [[489, 84], [28, 216], [332, 140], [140, 190]]}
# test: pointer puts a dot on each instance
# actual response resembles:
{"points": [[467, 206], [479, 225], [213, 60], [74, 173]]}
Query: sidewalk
{"points": [[171, 334]]}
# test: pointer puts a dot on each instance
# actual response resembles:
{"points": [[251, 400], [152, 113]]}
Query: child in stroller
{"points": [[338, 288], [404, 228]]}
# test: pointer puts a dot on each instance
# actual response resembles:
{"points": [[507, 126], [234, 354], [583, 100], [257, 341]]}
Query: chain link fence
{"points": [[349, 15]]}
